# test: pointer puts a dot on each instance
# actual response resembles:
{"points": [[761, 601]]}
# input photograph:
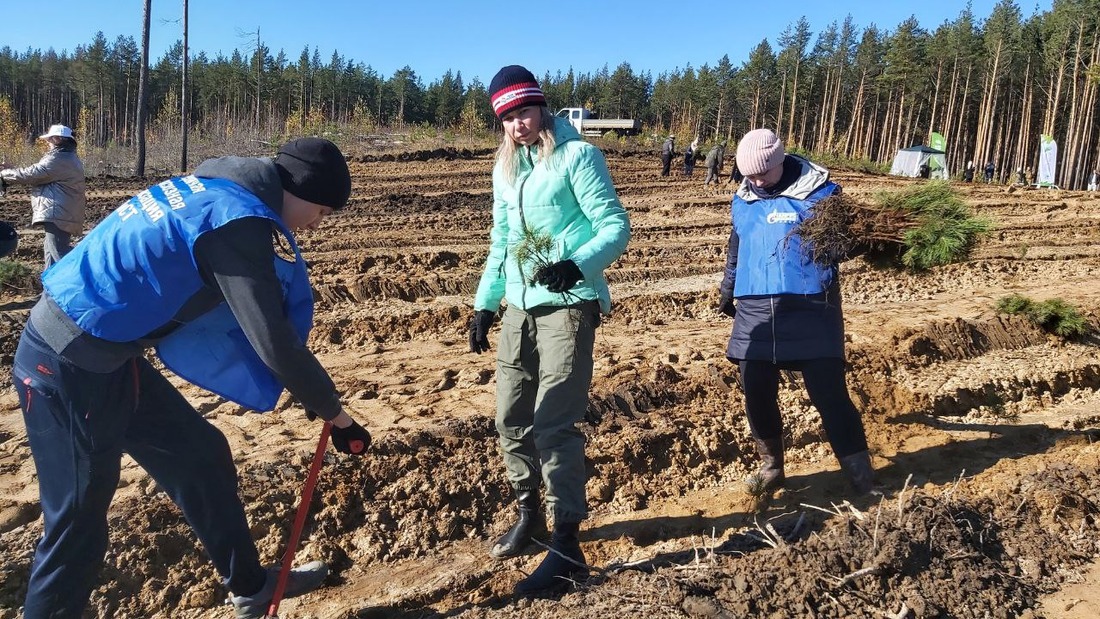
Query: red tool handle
{"points": [[299, 521]]}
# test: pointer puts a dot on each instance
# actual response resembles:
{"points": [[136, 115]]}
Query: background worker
{"points": [[58, 192], [689, 157], [668, 151], [735, 173], [714, 163], [188, 266]]}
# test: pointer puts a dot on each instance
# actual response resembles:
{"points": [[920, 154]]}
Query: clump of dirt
{"points": [[924, 554], [421, 203], [446, 154]]}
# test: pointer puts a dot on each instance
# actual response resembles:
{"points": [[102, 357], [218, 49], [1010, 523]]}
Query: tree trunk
{"points": [[185, 107], [143, 94]]}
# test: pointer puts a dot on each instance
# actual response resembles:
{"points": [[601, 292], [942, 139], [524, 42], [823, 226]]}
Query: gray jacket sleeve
{"points": [[239, 259], [39, 173]]}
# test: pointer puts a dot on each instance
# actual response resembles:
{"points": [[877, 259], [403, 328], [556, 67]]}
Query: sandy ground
{"points": [[982, 427]]}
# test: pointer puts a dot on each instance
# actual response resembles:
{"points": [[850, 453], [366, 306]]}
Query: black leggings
{"points": [[826, 387]]}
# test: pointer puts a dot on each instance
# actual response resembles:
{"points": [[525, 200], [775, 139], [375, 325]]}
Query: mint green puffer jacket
{"points": [[572, 199]]}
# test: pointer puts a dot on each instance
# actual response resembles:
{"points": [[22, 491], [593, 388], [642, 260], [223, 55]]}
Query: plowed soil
{"points": [[982, 427]]}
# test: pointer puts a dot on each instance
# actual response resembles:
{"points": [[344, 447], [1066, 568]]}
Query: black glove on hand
{"points": [[560, 276], [353, 440], [728, 308], [479, 330], [725, 303]]}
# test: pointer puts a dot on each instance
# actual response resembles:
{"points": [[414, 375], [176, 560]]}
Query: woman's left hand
{"points": [[560, 276]]}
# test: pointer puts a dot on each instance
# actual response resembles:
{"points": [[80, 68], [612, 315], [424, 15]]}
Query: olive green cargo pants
{"points": [[544, 370]]}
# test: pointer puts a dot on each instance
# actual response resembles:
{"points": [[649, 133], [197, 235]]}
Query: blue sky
{"points": [[475, 37]]}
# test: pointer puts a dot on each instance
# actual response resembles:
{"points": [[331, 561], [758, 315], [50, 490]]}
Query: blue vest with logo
{"points": [[134, 271], [770, 260]]}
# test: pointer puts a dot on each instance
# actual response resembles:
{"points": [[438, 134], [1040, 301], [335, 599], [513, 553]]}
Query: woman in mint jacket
{"points": [[557, 224]]}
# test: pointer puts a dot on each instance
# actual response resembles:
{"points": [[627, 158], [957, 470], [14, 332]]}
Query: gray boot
{"points": [[301, 580], [771, 463], [531, 523], [857, 467]]}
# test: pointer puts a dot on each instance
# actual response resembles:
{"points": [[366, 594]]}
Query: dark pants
{"points": [[56, 244], [825, 384], [666, 163], [79, 423], [712, 175]]}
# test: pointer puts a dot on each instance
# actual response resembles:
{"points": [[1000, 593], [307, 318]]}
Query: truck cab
{"points": [[586, 123], [575, 116]]}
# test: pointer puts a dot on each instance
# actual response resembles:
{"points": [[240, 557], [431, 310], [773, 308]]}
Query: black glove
{"points": [[560, 276], [479, 330], [353, 439], [726, 305]]}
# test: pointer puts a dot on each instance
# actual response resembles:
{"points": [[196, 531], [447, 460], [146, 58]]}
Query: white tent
{"points": [[908, 162]]}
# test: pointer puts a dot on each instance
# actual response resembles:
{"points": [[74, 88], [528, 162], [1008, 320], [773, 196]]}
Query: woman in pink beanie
{"points": [[787, 307]]}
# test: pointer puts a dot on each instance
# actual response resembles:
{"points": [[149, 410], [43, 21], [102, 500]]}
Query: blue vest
{"points": [[134, 271], [770, 262]]}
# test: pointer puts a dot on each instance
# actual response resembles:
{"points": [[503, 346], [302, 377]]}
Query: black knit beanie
{"points": [[514, 87], [314, 170]]}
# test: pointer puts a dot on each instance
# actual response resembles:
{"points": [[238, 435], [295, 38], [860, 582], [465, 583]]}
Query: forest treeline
{"points": [[992, 85]]}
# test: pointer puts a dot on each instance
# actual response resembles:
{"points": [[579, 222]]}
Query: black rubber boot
{"points": [[557, 571], [531, 524], [857, 467], [771, 463]]}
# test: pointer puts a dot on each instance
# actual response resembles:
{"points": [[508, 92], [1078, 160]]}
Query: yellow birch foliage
{"points": [[84, 121], [12, 143]]}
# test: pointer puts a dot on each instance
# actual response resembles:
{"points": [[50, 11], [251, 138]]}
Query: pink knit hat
{"points": [[759, 151]]}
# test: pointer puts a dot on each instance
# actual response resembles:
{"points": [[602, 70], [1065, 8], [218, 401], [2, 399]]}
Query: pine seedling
{"points": [[17, 277], [946, 229], [1060, 318], [1053, 315], [535, 250], [757, 487], [1014, 304]]}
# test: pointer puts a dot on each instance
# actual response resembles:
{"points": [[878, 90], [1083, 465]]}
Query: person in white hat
{"points": [[58, 192]]}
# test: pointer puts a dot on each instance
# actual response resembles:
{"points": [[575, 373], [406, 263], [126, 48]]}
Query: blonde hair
{"points": [[508, 155]]}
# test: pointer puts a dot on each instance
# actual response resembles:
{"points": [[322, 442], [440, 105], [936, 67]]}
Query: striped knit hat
{"points": [[514, 87], [759, 151]]}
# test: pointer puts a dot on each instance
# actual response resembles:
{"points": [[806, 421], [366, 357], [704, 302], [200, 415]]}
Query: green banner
{"points": [[937, 141]]}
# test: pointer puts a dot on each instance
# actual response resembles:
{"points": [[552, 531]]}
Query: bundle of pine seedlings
{"points": [[918, 227], [1054, 315]]}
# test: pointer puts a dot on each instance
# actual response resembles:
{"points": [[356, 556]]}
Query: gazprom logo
{"points": [[775, 217]]}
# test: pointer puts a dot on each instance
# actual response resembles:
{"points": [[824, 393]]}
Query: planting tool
{"points": [[299, 522]]}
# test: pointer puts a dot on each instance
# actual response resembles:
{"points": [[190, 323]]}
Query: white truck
{"points": [[586, 122]]}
